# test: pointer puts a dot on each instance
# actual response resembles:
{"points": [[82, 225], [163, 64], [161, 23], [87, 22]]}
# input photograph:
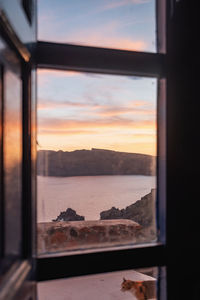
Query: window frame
{"points": [[27, 5], [117, 62], [1, 166], [18, 273], [181, 252]]}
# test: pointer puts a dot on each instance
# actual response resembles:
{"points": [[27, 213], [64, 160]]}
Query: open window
{"points": [[91, 103], [173, 66]]}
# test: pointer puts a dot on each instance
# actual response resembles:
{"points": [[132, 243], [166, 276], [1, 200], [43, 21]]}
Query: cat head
{"points": [[129, 284]]}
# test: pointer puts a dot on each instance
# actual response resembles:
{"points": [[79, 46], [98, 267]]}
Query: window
{"points": [[177, 73], [116, 24], [1, 167], [15, 216], [96, 158], [75, 61], [11, 154]]}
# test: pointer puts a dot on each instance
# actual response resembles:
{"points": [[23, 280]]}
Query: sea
{"points": [[89, 195]]}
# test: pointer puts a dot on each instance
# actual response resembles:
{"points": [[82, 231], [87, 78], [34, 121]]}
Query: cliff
{"points": [[143, 212], [93, 162]]}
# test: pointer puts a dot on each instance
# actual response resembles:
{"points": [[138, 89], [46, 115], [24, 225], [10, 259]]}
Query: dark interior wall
{"points": [[183, 149]]}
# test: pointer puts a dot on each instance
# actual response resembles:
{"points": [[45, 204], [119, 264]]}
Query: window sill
{"points": [[73, 236]]}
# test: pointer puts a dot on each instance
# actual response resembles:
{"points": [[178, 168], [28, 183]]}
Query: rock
{"points": [[142, 211], [69, 215]]}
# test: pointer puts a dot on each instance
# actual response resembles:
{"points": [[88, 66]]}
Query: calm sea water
{"points": [[89, 195]]}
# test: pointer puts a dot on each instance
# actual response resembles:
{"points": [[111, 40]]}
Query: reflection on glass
{"points": [[1, 161], [120, 24], [12, 161], [96, 160], [130, 284]]}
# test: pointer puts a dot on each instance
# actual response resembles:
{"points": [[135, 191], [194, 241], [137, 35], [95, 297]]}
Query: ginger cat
{"points": [[142, 290]]}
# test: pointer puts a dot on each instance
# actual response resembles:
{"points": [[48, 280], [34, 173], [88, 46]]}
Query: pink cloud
{"points": [[44, 74], [45, 105], [110, 41], [106, 35], [121, 110], [60, 124], [116, 4]]}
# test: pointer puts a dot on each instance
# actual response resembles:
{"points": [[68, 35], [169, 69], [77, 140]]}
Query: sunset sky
{"points": [[124, 24], [84, 111]]}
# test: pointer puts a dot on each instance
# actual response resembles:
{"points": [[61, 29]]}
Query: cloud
{"points": [[65, 132], [121, 110], [103, 35], [133, 107], [57, 73], [45, 104], [116, 4], [44, 75], [101, 39], [115, 123]]}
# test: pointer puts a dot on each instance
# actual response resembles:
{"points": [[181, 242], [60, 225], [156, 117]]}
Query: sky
{"points": [[83, 110], [122, 24]]}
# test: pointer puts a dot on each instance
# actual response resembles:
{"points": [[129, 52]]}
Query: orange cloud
{"points": [[100, 40], [57, 73], [116, 111], [117, 122], [43, 74], [65, 132]]}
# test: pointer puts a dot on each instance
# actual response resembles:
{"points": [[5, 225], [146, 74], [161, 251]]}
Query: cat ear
{"points": [[124, 279]]}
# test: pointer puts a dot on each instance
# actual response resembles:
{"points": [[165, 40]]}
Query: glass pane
{"points": [[96, 160], [129, 284], [1, 163], [120, 24], [12, 144]]}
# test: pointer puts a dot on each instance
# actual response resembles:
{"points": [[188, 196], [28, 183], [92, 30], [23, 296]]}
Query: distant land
{"points": [[93, 162]]}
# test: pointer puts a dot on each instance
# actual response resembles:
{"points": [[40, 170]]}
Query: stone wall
{"points": [[73, 235]]}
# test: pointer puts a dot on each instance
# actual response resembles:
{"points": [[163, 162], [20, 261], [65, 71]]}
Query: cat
{"points": [[142, 290]]}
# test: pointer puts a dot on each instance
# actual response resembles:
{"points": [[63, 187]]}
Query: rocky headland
{"points": [[93, 162], [134, 224], [143, 212]]}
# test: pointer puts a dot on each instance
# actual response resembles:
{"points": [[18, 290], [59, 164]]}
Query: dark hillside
{"points": [[94, 162]]}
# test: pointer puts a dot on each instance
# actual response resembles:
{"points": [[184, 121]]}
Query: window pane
{"points": [[12, 150], [96, 160], [130, 284], [1, 163], [120, 24]]}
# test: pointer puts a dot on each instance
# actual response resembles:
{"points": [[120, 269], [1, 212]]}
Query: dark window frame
{"points": [[27, 5], [1, 166], [180, 253], [106, 61], [18, 272], [118, 62]]}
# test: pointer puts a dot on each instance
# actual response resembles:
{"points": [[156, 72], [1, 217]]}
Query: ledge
{"points": [[104, 286], [73, 235]]}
